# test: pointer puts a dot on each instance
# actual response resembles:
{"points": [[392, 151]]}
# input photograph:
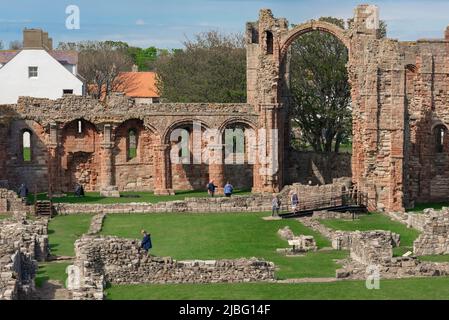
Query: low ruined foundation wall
{"points": [[250, 203], [22, 244], [101, 260], [10, 202], [373, 247], [434, 238], [341, 240], [253, 203], [371, 252]]}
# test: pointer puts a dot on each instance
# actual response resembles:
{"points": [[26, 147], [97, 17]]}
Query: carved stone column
{"points": [[54, 163], [267, 167], [162, 179], [108, 189], [216, 167]]}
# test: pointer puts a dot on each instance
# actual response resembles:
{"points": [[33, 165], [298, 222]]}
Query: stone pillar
{"points": [[162, 179], [267, 168], [54, 161], [108, 189], [216, 168]]}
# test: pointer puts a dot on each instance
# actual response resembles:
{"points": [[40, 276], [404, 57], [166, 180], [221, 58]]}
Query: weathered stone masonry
{"points": [[399, 96], [101, 260], [399, 99], [22, 244]]}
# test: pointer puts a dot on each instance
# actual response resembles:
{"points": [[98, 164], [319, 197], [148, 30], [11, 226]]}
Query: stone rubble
{"points": [[434, 239], [22, 244], [300, 244]]}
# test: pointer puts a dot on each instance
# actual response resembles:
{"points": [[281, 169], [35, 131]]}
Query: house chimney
{"points": [[135, 68], [36, 39]]}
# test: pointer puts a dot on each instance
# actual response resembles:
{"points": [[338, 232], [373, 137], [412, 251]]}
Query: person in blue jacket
{"points": [[228, 189], [146, 241]]}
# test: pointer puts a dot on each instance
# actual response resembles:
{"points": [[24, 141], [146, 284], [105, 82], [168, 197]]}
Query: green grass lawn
{"points": [[64, 230], [53, 271], [94, 197], [27, 154], [4, 216], [435, 258], [376, 221], [429, 289], [226, 236]]}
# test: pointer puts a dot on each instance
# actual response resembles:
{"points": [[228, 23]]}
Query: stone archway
{"points": [[376, 70], [186, 168], [284, 95], [239, 153], [311, 26]]}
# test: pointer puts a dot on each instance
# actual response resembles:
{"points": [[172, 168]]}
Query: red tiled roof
{"points": [[137, 84], [133, 85]]}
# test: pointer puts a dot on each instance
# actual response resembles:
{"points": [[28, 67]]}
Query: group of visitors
{"points": [[276, 203], [212, 188]]}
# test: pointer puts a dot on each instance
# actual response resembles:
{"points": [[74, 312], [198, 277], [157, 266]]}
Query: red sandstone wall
{"points": [[134, 174], [80, 157]]}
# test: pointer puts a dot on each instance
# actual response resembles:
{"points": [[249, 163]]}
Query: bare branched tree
{"points": [[100, 63], [15, 45]]}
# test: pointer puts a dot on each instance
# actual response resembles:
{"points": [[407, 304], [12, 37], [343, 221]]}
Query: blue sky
{"points": [[167, 23]]}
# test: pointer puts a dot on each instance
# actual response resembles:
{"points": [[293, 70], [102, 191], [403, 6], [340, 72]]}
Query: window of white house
{"points": [[32, 72], [67, 91]]}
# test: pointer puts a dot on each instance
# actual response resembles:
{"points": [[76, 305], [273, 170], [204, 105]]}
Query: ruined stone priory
{"points": [[400, 94]]}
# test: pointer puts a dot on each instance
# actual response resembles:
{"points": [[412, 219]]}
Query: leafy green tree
{"points": [[211, 68], [320, 91]]}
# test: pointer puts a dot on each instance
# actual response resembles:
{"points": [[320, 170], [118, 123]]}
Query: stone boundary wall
{"points": [[102, 260], [412, 220], [341, 240], [396, 268], [434, 238], [249, 203], [372, 247], [22, 244], [371, 251], [253, 203], [10, 202]]}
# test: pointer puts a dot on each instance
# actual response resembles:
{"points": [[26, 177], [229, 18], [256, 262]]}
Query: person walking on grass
{"points": [[275, 205], [146, 241], [211, 188], [228, 189]]}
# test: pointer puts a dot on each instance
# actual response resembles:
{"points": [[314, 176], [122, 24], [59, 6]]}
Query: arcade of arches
{"points": [[400, 97]]}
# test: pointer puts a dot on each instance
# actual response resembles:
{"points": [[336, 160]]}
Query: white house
{"points": [[38, 71]]}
